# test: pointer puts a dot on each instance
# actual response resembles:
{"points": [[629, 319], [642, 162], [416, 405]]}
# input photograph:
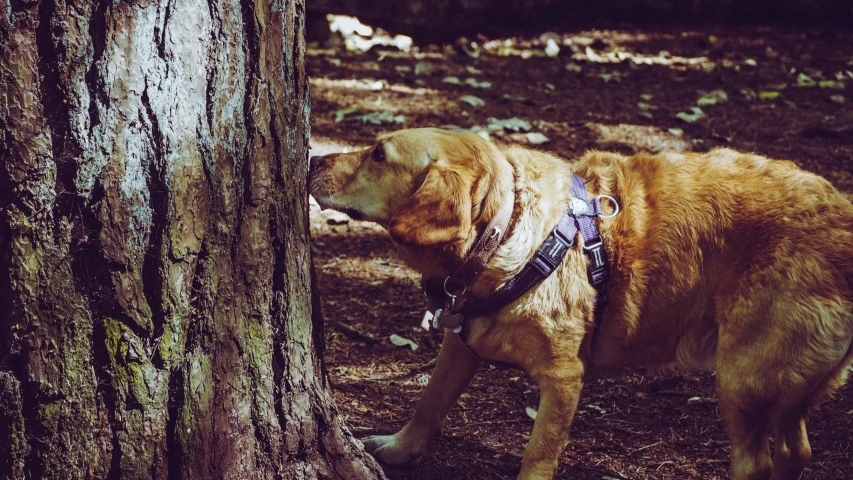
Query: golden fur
{"points": [[724, 260]]}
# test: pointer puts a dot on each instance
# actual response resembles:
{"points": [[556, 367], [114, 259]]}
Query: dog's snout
{"points": [[315, 162]]}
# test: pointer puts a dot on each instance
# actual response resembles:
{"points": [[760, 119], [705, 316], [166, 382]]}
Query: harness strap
{"points": [[578, 217], [485, 247]]}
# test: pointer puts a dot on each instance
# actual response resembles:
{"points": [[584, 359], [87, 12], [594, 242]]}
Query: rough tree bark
{"points": [[156, 314]]}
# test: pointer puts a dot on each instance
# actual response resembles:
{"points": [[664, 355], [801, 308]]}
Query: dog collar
{"points": [[475, 262], [578, 217]]}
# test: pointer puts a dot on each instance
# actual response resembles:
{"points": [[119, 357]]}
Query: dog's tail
{"points": [[836, 378]]}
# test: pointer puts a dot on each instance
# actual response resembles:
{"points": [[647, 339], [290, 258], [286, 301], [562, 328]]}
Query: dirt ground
{"points": [[622, 90]]}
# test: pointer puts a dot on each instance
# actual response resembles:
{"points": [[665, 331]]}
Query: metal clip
{"points": [[615, 206], [578, 207]]}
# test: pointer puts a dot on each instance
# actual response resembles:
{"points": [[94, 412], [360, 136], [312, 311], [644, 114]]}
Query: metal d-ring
{"points": [[615, 206], [446, 292]]}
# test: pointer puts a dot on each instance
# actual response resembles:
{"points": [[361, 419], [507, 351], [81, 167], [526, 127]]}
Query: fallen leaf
{"points": [[551, 48], [712, 98], [574, 67], [472, 50], [472, 70], [804, 80], [749, 93], [647, 97], [691, 117], [550, 86], [378, 118], [514, 98], [452, 80], [472, 100], [839, 99], [750, 62], [676, 131], [515, 124], [768, 95], [594, 57], [831, 84], [340, 114], [403, 68], [423, 68], [402, 342], [474, 83], [334, 61], [537, 138], [531, 413], [646, 106]]}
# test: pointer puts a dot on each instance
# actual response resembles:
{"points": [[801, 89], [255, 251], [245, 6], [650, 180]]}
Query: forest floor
{"points": [[776, 91]]}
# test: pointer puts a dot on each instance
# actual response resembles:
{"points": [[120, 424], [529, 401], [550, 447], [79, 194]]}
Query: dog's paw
{"points": [[393, 449]]}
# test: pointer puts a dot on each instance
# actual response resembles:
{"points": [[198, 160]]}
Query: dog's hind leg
{"points": [[792, 451], [454, 369], [748, 430], [745, 403]]}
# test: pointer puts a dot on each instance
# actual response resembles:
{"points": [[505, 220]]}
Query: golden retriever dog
{"points": [[724, 261]]}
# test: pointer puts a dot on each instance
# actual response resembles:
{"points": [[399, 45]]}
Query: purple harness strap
{"points": [[578, 217]]}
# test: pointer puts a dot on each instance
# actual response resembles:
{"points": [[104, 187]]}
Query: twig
{"points": [[650, 446], [491, 422], [674, 393], [356, 333], [602, 471]]}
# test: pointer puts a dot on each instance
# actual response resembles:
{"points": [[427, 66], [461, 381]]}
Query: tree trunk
{"points": [[158, 314]]}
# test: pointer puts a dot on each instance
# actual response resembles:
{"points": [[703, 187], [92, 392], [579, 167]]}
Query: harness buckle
{"points": [[597, 270], [551, 253]]}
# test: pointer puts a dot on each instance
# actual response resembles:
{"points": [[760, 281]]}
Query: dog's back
{"points": [[742, 256]]}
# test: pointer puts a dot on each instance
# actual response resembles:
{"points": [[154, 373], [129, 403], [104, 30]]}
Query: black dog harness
{"points": [[578, 217]]}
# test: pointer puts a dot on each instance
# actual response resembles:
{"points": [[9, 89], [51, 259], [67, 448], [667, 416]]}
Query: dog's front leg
{"points": [[559, 387], [454, 369]]}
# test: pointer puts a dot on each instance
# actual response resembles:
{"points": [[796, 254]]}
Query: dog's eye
{"points": [[379, 153]]}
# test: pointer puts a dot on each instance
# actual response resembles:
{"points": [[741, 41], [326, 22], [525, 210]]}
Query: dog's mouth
{"points": [[323, 195], [352, 213], [323, 198]]}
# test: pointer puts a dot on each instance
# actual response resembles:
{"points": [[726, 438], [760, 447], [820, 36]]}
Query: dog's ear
{"points": [[438, 213]]}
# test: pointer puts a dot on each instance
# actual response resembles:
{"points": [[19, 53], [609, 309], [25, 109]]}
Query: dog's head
{"points": [[427, 186]]}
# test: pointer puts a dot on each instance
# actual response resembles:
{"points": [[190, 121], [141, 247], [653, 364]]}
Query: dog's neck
{"points": [[491, 193], [534, 215]]}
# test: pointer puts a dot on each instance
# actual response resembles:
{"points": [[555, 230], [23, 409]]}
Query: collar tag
{"points": [[449, 320], [427, 320]]}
